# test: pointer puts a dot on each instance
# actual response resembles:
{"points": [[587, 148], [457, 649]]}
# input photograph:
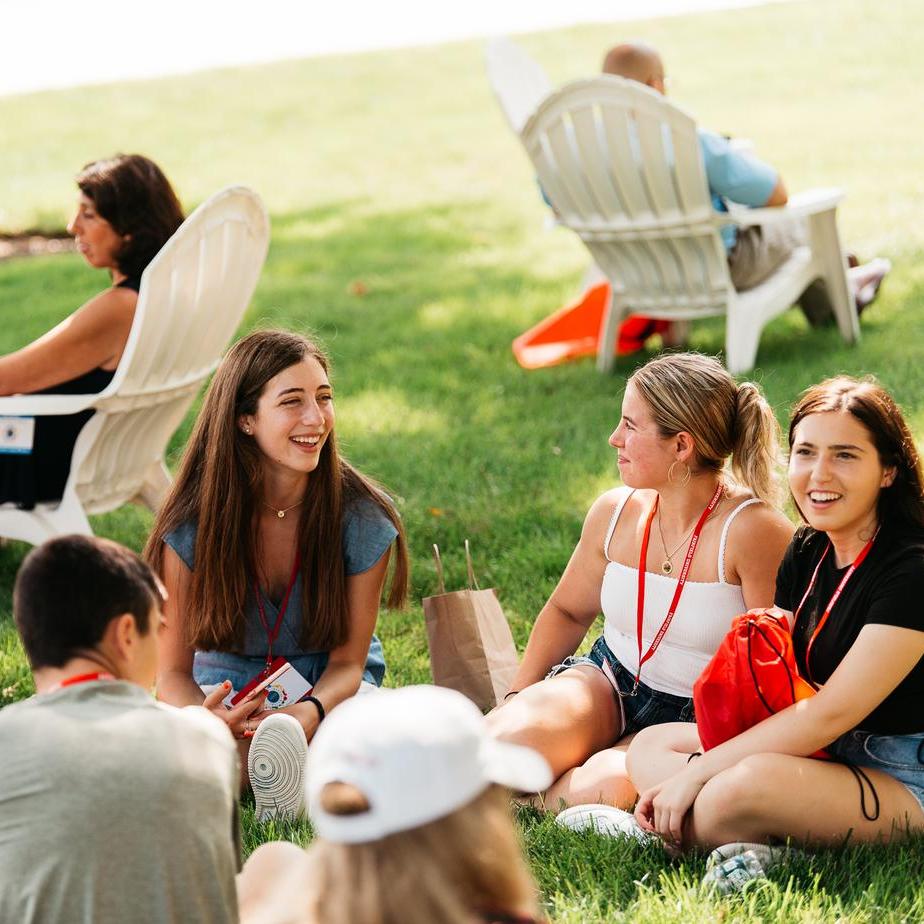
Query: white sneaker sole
{"points": [[276, 765], [604, 819]]}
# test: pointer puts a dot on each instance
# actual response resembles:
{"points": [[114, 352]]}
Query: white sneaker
{"points": [[606, 820], [276, 765], [733, 867]]}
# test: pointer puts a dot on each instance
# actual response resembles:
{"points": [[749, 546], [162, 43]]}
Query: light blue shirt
{"points": [[366, 535], [734, 176]]}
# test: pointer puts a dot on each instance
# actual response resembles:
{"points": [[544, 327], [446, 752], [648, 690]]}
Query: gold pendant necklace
{"points": [[282, 513], [666, 565]]}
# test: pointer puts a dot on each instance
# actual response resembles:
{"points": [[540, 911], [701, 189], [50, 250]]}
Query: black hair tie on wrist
{"points": [[317, 702], [694, 754]]}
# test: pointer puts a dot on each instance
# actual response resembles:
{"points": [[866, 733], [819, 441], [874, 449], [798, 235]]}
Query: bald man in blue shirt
{"points": [[739, 177]]}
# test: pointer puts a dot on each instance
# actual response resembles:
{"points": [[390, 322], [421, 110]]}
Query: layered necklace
{"points": [[667, 566]]}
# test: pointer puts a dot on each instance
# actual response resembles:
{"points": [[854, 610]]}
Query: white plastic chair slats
{"points": [[623, 169], [193, 297], [519, 83]]}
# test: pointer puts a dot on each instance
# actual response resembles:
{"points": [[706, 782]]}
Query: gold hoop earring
{"points": [[684, 478]]}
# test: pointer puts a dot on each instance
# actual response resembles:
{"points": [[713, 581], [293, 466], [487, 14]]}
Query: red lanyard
{"points": [[834, 597], [82, 678], [272, 634], [642, 561]]}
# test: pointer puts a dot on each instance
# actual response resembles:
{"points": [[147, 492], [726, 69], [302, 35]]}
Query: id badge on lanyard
{"points": [[17, 435]]}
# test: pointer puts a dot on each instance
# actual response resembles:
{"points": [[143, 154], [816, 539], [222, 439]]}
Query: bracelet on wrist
{"points": [[318, 705]]}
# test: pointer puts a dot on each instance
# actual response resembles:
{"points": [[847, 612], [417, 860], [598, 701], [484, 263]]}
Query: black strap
{"points": [[317, 702], [862, 778], [753, 627]]}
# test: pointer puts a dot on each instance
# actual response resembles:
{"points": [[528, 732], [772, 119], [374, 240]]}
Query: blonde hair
{"points": [[448, 870], [693, 393]]}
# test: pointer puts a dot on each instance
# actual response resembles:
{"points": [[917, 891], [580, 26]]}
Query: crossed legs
{"points": [[574, 721], [775, 796]]}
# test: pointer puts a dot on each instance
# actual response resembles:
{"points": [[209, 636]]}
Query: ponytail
{"points": [[756, 444], [692, 392]]}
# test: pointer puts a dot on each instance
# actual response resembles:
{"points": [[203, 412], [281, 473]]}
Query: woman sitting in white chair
{"points": [[126, 212]]}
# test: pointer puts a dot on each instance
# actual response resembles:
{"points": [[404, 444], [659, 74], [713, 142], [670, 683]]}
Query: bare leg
{"points": [[602, 778], [566, 718], [661, 751], [776, 796], [243, 749], [271, 883]]}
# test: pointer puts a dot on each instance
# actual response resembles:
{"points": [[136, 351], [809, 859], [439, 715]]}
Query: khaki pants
{"points": [[761, 249]]}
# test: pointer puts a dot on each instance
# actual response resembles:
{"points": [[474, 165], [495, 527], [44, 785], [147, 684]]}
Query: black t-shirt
{"points": [[887, 589]]}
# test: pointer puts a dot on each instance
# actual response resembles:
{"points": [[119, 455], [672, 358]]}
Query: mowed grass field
{"points": [[408, 235]]}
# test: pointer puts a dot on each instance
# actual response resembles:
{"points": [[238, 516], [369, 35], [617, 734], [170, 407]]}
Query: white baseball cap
{"points": [[417, 754]]}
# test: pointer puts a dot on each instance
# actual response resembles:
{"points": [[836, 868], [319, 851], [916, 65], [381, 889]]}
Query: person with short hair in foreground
{"points": [[405, 792], [113, 807]]}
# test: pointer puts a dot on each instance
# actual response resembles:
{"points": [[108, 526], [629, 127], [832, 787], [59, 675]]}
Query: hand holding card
{"points": [[284, 686]]}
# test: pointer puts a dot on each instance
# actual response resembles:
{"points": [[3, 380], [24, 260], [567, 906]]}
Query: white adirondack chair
{"points": [[623, 168], [519, 83], [193, 296]]}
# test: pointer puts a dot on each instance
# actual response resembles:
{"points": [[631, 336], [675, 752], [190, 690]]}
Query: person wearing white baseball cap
{"points": [[408, 796]]}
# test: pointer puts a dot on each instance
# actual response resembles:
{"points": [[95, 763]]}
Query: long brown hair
{"points": [[217, 488], [694, 393], [131, 192], [449, 870], [875, 408]]}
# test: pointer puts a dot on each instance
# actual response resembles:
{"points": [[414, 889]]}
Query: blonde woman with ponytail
{"points": [[692, 538]]}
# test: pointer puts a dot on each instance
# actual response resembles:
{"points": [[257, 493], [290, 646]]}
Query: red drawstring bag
{"points": [[751, 676]]}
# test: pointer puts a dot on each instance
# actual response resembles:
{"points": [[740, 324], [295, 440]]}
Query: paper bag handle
{"points": [[472, 582], [441, 586]]}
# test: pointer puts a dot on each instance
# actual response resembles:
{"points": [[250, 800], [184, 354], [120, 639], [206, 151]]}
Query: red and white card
{"points": [[284, 686]]}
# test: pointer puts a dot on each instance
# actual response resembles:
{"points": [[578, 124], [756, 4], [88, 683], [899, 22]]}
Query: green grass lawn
{"points": [[396, 170]]}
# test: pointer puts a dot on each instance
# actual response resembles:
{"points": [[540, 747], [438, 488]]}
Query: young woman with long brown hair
{"points": [[671, 557], [272, 545], [851, 585], [126, 212]]}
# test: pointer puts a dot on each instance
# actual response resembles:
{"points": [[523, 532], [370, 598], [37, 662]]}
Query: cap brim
{"points": [[517, 767]]}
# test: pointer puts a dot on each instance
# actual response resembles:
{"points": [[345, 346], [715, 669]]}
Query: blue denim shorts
{"points": [[214, 667], [640, 709], [901, 756]]}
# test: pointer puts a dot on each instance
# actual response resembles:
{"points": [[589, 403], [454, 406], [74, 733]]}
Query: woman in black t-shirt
{"points": [[852, 586]]}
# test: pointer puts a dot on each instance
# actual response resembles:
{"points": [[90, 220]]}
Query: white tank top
{"points": [[702, 620]]}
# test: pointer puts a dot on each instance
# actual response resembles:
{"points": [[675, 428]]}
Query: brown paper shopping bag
{"points": [[471, 648]]}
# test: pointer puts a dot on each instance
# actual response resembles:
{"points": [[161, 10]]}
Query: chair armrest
{"points": [[44, 405], [810, 202]]}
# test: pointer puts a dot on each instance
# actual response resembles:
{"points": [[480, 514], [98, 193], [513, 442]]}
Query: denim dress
{"points": [[367, 534]]}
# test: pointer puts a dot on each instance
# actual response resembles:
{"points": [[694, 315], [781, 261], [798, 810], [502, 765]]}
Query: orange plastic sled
{"points": [[574, 331]]}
